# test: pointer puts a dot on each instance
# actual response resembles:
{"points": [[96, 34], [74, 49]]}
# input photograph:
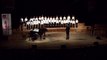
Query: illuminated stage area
{"points": [[53, 40], [55, 36], [52, 24], [80, 35], [38, 28], [48, 22]]}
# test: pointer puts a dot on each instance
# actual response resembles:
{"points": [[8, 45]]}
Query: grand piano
{"points": [[35, 33]]}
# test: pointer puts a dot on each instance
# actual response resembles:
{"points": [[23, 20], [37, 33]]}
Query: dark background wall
{"points": [[97, 11], [23, 8], [52, 7], [88, 11]]}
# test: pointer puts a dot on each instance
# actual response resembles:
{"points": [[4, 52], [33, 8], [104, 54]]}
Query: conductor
{"points": [[67, 30]]}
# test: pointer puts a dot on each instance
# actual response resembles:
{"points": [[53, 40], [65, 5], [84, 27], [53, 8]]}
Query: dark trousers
{"points": [[67, 34], [40, 35], [44, 35]]}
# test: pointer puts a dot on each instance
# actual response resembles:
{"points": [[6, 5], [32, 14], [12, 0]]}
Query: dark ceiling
{"points": [[51, 7], [89, 11]]}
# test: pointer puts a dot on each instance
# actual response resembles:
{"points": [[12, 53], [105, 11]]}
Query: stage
{"points": [[54, 40]]}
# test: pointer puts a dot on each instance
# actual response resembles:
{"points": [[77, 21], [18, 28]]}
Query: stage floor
{"points": [[53, 40]]}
